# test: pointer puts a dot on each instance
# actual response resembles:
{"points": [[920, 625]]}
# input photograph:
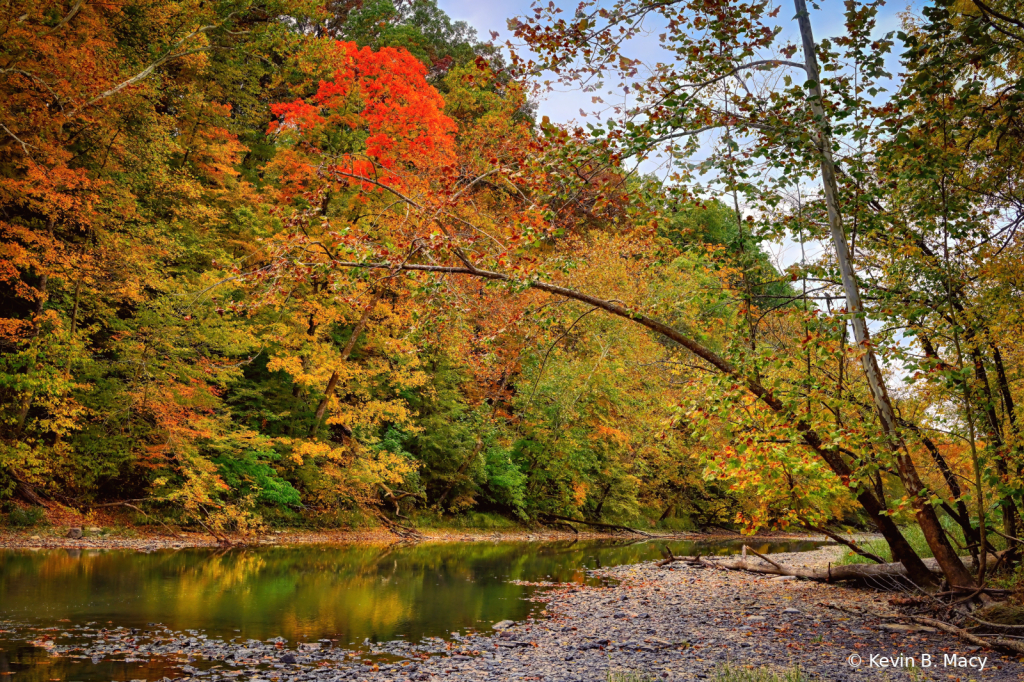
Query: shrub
{"points": [[25, 518]]}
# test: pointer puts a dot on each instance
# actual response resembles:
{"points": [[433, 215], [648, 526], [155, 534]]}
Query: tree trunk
{"points": [[995, 434], [952, 567]]}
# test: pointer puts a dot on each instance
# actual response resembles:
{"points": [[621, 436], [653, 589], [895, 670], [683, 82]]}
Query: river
{"points": [[346, 595]]}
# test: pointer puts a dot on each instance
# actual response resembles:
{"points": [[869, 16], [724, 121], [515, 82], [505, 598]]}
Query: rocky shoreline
{"points": [[677, 622]]}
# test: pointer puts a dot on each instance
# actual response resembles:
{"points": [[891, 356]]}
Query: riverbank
{"points": [[149, 539], [656, 623]]}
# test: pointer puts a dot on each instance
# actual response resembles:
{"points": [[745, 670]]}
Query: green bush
{"points": [[251, 473], [25, 518]]}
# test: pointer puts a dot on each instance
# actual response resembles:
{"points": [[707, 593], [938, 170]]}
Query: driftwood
{"points": [[1004, 642], [832, 573], [987, 641], [688, 560]]}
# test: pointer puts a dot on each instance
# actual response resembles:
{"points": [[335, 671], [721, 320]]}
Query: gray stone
{"points": [[75, 533], [503, 624]]}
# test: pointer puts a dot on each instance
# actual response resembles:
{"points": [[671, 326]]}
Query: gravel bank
{"points": [[677, 623]]}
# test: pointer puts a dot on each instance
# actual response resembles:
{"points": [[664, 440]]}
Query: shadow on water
{"points": [[346, 594]]}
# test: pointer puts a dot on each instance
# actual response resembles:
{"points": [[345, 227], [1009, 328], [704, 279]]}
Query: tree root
{"points": [[404, 532]]}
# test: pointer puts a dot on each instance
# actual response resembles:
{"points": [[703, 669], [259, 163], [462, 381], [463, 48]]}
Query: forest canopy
{"points": [[301, 262]]}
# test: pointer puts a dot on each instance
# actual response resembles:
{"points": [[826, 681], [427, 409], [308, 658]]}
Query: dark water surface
{"points": [[347, 593]]}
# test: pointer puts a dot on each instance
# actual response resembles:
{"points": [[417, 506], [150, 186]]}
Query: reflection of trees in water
{"points": [[311, 591]]}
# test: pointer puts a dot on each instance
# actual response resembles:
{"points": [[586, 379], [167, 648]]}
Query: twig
{"points": [[24, 145]]}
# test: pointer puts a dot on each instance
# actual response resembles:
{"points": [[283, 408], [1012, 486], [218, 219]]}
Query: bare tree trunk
{"points": [[950, 563]]}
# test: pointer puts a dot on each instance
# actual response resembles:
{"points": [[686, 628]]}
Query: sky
{"points": [[486, 16], [564, 106]]}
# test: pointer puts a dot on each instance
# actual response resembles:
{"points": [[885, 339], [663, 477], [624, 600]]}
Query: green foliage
{"points": [[25, 518], [251, 474], [420, 27], [470, 520]]}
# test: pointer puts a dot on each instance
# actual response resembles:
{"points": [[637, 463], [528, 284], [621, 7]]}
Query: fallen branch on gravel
{"points": [[1003, 642], [670, 558], [832, 573], [1011, 644]]}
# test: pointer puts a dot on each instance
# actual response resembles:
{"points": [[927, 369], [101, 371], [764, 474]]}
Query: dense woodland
{"points": [[315, 261]]}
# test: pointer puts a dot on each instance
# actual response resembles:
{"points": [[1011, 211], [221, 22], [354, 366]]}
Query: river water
{"points": [[346, 594]]}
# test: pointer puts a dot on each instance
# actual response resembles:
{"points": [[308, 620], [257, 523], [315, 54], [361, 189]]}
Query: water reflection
{"points": [[303, 593]]}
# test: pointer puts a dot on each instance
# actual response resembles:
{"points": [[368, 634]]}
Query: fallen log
{"points": [[860, 572], [596, 524], [26, 492]]}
